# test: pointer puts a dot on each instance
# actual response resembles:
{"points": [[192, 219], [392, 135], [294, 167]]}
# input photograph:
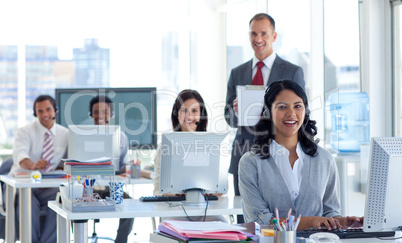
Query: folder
{"points": [[185, 230], [250, 102]]}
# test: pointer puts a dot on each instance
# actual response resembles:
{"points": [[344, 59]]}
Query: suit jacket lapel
{"points": [[276, 70], [247, 73]]}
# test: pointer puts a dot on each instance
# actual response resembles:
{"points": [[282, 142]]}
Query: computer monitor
{"points": [[134, 110], [383, 211], [86, 142], [191, 163]]}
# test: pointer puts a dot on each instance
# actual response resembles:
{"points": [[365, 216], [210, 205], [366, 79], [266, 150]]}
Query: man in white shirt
{"points": [[28, 155]]}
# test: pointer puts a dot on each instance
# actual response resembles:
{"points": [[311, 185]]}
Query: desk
{"points": [[24, 185], [132, 208]]}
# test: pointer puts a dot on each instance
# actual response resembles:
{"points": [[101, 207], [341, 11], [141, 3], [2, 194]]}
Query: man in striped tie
{"points": [[41, 145]]}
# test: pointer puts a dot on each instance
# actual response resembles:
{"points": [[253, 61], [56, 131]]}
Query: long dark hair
{"points": [[265, 127], [181, 98]]}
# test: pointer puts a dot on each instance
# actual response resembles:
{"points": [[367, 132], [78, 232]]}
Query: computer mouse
{"points": [[325, 237]]}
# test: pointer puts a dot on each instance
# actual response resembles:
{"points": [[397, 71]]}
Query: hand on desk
{"points": [[40, 165], [351, 222], [319, 223]]}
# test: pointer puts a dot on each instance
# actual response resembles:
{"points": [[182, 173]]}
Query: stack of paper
{"points": [[219, 231], [97, 161]]}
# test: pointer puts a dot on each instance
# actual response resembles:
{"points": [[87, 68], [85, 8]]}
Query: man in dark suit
{"points": [[265, 63]]}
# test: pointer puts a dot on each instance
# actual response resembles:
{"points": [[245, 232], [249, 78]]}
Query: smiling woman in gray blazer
{"points": [[286, 169]]}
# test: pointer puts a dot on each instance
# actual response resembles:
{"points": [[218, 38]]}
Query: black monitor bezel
{"points": [[152, 90]]}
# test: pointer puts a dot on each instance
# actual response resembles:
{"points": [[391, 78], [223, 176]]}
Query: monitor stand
{"points": [[194, 197]]}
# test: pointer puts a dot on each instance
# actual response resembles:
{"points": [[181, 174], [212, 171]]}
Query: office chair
{"points": [[94, 238]]}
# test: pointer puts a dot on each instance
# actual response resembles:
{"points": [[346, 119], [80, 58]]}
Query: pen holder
{"points": [[284, 236], [128, 170], [116, 191], [136, 171]]}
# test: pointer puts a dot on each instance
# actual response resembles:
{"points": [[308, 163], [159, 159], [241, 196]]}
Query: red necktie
{"points": [[258, 80]]}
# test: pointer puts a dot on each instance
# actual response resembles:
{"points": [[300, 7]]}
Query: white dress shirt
{"points": [[292, 177], [29, 141], [266, 69]]}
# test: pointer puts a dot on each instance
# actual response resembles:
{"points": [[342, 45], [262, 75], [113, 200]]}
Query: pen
{"points": [[297, 222], [285, 225], [289, 213], [277, 225], [277, 214], [291, 222]]}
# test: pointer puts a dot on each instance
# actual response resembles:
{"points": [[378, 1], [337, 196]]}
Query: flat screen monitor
{"points": [[191, 163], [134, 110], [87, 142], [383, 211]]}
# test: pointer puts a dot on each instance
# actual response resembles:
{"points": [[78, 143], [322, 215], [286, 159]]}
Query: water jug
{"points": [[350, 123]]}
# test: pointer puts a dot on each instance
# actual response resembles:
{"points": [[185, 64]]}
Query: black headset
{"points": [[41, 98], [101, 98]]}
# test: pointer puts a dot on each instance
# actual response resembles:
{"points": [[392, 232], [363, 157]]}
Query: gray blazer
{"points": [[263, 189], [241, 75]]}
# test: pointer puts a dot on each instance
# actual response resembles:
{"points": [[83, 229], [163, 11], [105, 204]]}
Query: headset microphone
{"points": [[53, 117], [197, 123], [107, 121]]}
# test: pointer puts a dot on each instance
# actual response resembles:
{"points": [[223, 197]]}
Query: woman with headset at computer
{"points": [[188, 115], [286, 169]]}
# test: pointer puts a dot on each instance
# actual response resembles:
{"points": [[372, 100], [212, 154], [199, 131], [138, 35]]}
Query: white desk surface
{"points": [[55, 182], [132, 208], [24, 185], [27, 183]]}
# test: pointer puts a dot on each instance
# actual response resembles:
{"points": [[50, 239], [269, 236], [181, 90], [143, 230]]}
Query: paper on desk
{"points": [[204, 226], [250, 102], [203, 230], [97, 161]]}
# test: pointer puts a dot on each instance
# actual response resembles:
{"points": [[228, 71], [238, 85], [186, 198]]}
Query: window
{"points": [[171, 45], [397, 20]]}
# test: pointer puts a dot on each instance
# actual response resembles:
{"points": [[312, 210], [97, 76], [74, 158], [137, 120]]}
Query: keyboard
{"points": [[173, 198], [347, 233]]}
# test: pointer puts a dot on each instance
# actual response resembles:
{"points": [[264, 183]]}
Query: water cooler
{"points": [[350, 131]]}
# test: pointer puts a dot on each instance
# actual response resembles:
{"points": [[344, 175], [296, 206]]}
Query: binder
{"points": [[250, 103]]}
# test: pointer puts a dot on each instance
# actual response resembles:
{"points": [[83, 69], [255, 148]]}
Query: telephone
{"points": [[325, 237]]}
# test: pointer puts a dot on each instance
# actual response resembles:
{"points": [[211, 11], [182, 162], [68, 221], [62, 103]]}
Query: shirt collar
{"points": [[269, 61], [43, 129], [277, 150]]}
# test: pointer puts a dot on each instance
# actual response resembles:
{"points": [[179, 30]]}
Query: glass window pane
{"points": [[341, 60], [398, 66], [293, 40], [171, 45]]}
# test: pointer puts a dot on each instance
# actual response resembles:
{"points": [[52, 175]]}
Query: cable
{"points": [[185, 212]]}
